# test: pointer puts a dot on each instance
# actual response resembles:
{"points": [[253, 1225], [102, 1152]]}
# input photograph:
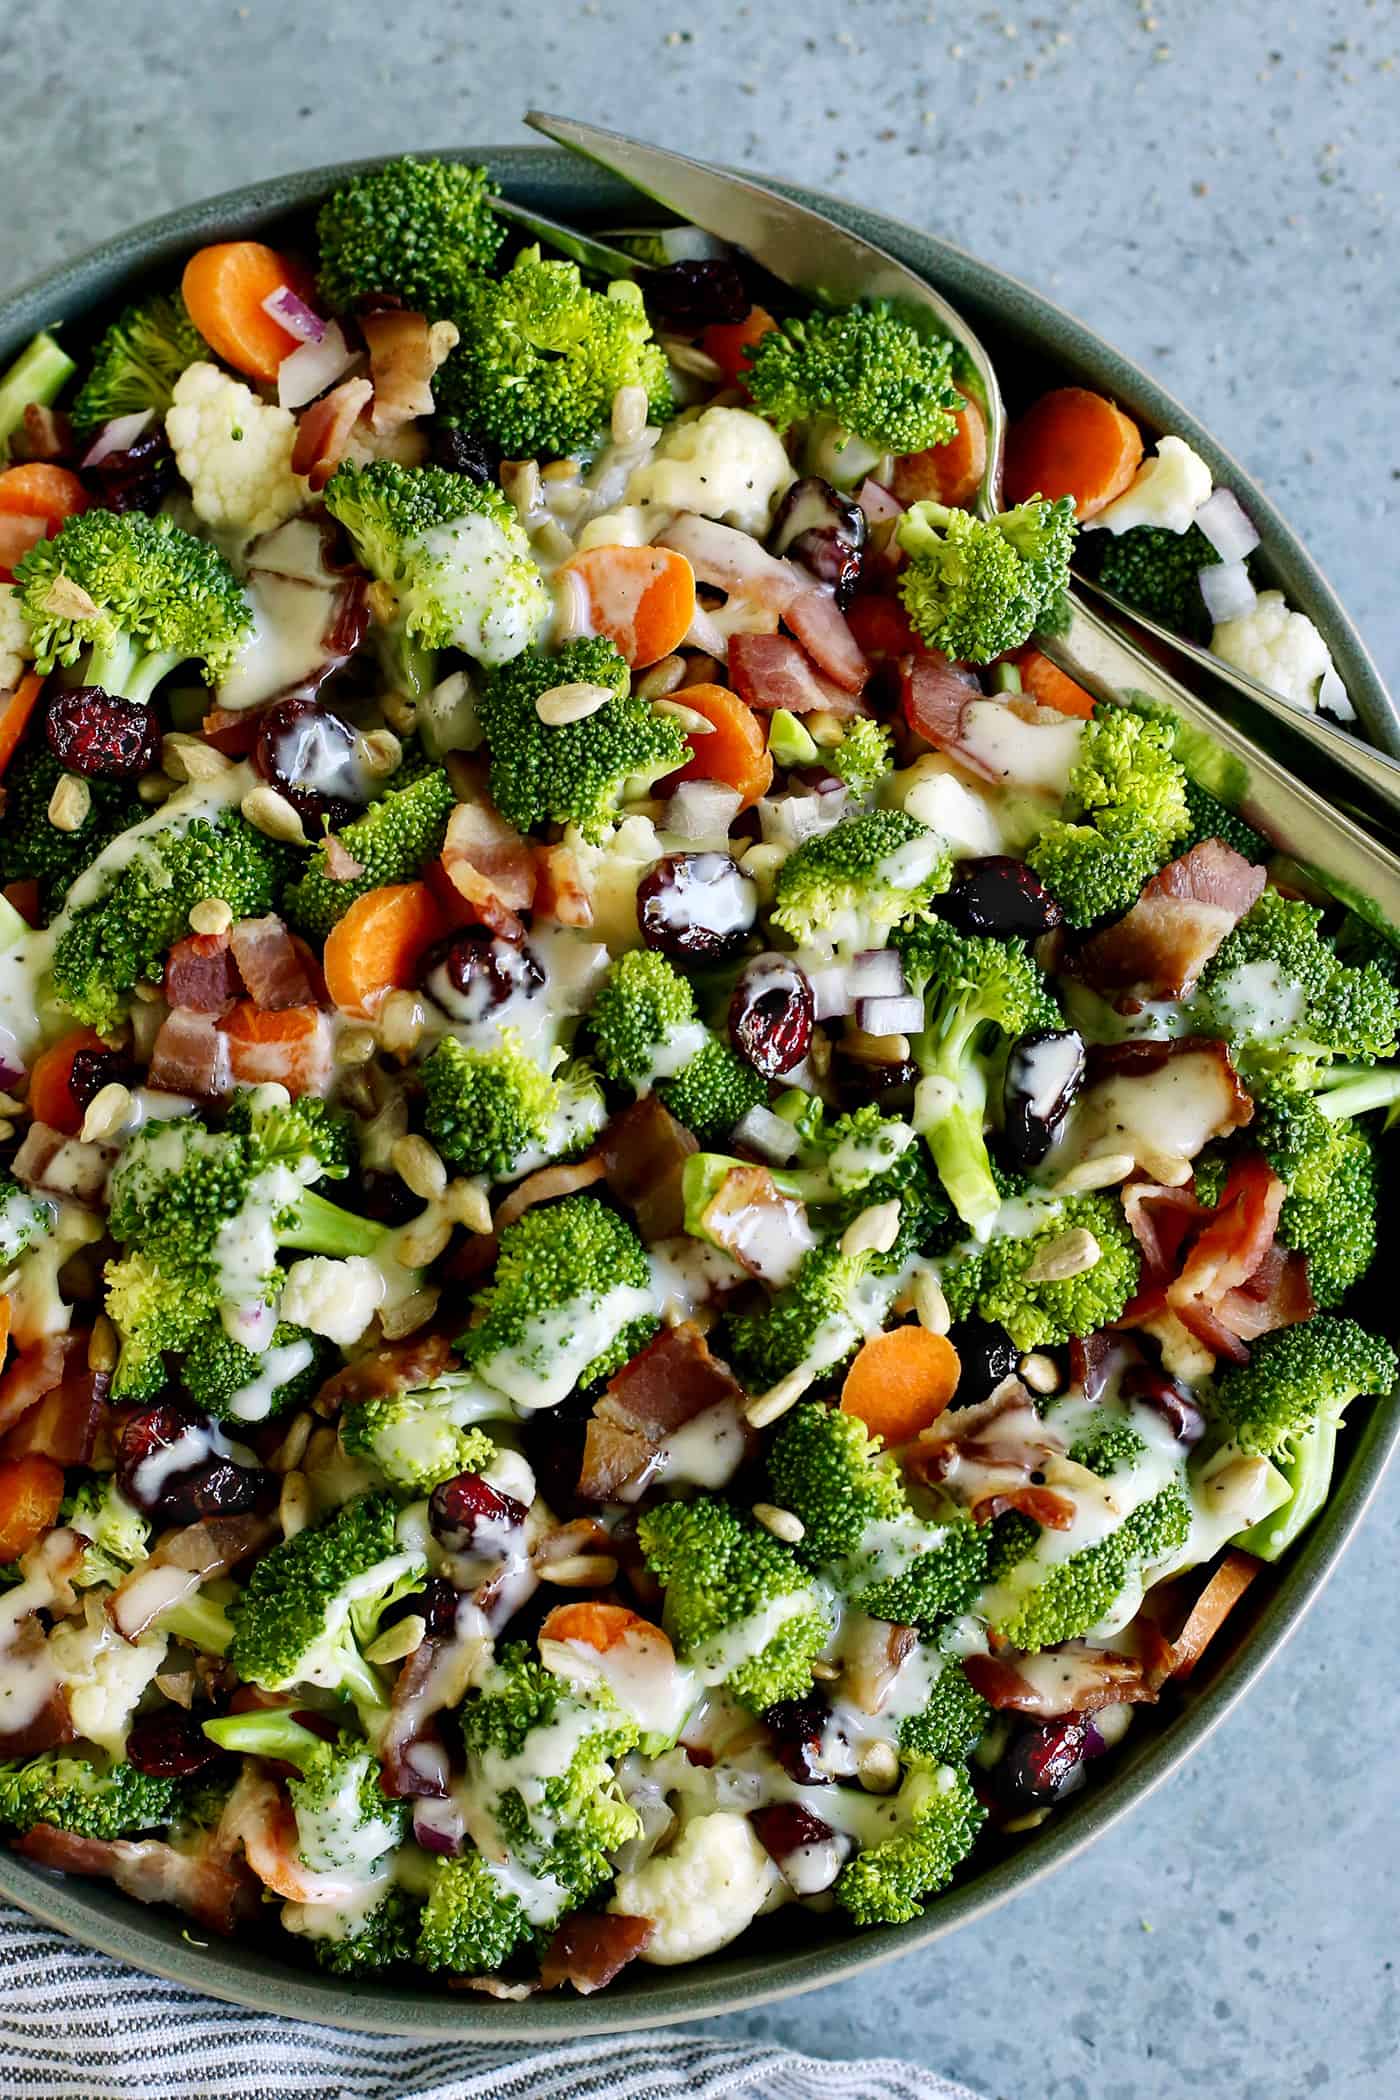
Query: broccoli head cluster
{"points": [[1126, 813], [866, 369], [421, 229], [977, 587]]}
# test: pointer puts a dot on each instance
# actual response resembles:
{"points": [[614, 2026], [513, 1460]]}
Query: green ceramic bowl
{"points": [[1033, 342]]}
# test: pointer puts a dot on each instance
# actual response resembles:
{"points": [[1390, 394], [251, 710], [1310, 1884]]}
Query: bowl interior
{"points": [[1031, 341]]}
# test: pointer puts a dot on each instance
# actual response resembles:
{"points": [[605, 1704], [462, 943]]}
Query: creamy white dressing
{"points": [[1038, 756], [859, 1158], [705, 1452], [909, 864], [640, 1671], [1168, 1114], [715, 1660], [668, 1059], [253, 1402], [686, 1274], [1257, 1002], [287, 642], [951, 804], [544, 1368]]}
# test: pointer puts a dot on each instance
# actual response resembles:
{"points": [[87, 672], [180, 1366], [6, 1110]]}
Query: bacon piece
{"points": [[545, 1185], [397, 1367], [341, 864], [271, 965], [1278, 1294], [674, 1379], [190, 1056], [63, 1425], [177, 1566], [984, 1456], [48, 434], [560, 890], [769, 671], [733, 562], [201, 974], [323, 431], [590, 1948], [765, 1231], [1161, 1221], [873, 1651], [1227, 1251], [1159, 948], [404, 353], [1212, 1607], [644, 1151], [36, 1371], [820, 625], [49, 1724], [59, 1165], [218, 1892], [933, 695], [1074, 1679], [487, 867]]}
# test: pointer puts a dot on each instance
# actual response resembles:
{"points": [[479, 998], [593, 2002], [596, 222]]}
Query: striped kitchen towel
{"points": [[75, 2025]]}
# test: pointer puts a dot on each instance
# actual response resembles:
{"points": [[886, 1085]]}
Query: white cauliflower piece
{"points": [[723, 463], [1282, 649], [16, 648], [104, 1674], [1166, 491], [703, 1892], [473, 582], [628, 526], [234, 450], [611, 874], [335, 1298]]}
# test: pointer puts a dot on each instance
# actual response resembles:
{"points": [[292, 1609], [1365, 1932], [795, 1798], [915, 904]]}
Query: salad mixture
{"points": [[671, 1223]]}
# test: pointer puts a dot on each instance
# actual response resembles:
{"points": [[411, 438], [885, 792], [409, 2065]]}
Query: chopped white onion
{"points": [[116, 436], [312, 367], [1226, 525], [786, 820], [890, 1016], [1227, 590], [831, 990], [1333, 695], [702, 809], [877, 973], [773, 1137], [293, 314]]}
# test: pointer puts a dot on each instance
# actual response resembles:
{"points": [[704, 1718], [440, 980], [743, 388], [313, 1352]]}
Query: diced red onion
{"points": [[294, 315], [1333, 695], [1227, 590], [437, 1831], [890, 1016], [702, 809], [1227, 525], [771, 1136], [830, 784], [116, 436], [877, 502], [831, 990], [312, 367], [877, 973]]}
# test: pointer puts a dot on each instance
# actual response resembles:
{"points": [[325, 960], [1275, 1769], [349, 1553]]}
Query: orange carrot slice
{"points": [[735, 751], [641, 598], [38, 490], [1211, 1609], [900, 1382], [599, 1626], [727, 341], [30, 1492], [4, 1327], [15, 710], [376, 946], [291, 1046], [1052, 687], [224, 288], [51, 1096], [1072, 443], [950, 473], [882, 627]]}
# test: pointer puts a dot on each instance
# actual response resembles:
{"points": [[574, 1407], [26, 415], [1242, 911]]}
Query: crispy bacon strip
{"points": [[202, 974], [545, 1185], [323, 433], [192, 1555], [820, 626], [984, 1456], [589, 1948], [1159, 948], [219, 1893], [397, 1367], [404, 353], [269, 962], [1074, 1679], [190, 1056], [560, 890], [36, 1371], [771, 671], [644, 1151]]}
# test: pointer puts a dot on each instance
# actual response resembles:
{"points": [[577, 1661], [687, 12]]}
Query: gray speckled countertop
{"points": [[1213, 187]]}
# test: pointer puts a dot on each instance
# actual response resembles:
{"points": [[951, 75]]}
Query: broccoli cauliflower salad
{"points": [[671, 1223]]}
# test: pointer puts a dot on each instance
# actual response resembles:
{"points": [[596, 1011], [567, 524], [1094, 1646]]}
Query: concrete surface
{"points": [[1213, 187]]}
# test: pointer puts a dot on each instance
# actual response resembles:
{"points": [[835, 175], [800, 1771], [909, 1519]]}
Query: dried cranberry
{"points": [[790, 1834], [857, 1082], [102, 736], [1043, 1763], [197, 1482], [695, 293], [797, 1726], [1155, 1389], [138, 478], [696, 904], [1001, 897], [310, 756], [986, 1354], [1044, 1073], [823, 530], [770, 1015], [474, 971], [435, 1604], [170, 1744], [91, 1070], [465, 452], [460, 1509]]}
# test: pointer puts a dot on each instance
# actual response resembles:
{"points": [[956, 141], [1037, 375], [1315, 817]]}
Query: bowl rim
{"points": [[243, 1974]]}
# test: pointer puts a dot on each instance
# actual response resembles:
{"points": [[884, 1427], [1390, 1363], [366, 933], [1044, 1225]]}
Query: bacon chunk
{"points": [[590, 1947], [644, 1151], [190, 1056], [37, 1370], [271, 965], [202, 974], [674, 1379], [561, 892], [1074, 1679], [323, 432], [218, 1892], [769, 671], [58, 1165], [397, 1367], [733, 562], [63, 1425], [985, 1458], [404, 353], [1159, 948], [933, 694], [820, 626]]}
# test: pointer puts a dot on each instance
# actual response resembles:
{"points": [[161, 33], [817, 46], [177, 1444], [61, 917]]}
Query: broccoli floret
{"points": [[1278, 993], [859, 1140], [231, 1382], [849, 885], [1125, 813], [472, 1921], [977, 992], [542, 356], [1001, 1281], [1329, 1167], [484, 1108], [1287, 1403], [24, 1220], [119, 1533], [386, 1937], [1158, 571], [571, 772], [569, 1303], [34, 849], [866, 370], [423, 229], [859, 1526], [721, 1573], [864, 755], [392, 841], [918, 1838], [947, 1730], [137, 362], [1038, 1603], [1214, 819], [453, 556], [307, 1600], [1108, 1447], [819, 1320], [642, 1010], [159, 596], [977, 587], [104, 949], [715, 1088], [39, 375], [414, 1439], [91, 1800], [345, 1822]]}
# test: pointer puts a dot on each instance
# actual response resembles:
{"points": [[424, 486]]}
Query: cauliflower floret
{"points": [[481, 583], [611, 875], [15, 646], [104, 1674], [234, 450], [724, 463], [335, 1298], [1282, 649], [933, 791], [703, 1892], [1166, 491], [628, 526]]}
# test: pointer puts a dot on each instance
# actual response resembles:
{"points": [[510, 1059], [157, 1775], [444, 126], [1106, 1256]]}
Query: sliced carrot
{"points": [[39, 490], [15, 710], [736, 749], [290, 1046], [4, 1326], [376, 946], [900, 1382], [1050, 686], [17, 535], [641, 598], [51, 1096], [1072, 443], [882, 627], [224, 288], [727, 341], [599, 1626], [950, 473], [30, 1492]]}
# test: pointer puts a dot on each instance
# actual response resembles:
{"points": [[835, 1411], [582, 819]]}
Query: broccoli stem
{"points": [[121, 667], [322, 1227], [268, 1732], [1308, 1472], [200, 1621], [1352, 1090], [949, 1106], [38, 375]]}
